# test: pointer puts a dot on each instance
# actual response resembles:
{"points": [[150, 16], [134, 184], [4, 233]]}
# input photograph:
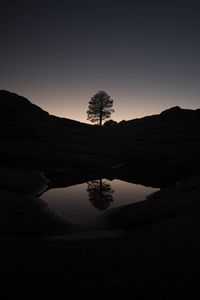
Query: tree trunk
{"points": [[100, 118], [100, 189], [100, 121]]}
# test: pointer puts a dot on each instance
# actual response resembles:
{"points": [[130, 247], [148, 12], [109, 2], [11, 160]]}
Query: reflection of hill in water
{"points": [[100, 194]]}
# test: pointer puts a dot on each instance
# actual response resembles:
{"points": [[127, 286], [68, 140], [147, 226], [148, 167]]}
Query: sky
{"points": [[144, 54]]}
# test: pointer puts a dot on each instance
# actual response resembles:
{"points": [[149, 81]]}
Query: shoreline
{"points": [[29, 212], [157, 257]]}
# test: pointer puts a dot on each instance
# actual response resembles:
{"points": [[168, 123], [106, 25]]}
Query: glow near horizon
{"points": [[145, 55], [126, 106], [122, 111]]}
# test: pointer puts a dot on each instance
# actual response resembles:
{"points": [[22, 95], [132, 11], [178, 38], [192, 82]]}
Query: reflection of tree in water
{"points": [[100, 194]]}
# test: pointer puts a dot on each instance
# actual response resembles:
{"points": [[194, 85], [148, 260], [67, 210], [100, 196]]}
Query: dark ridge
{"points": [[172, 110], [14, 106], [68, 122], [13, 103], [168, 114], [159, 145]]}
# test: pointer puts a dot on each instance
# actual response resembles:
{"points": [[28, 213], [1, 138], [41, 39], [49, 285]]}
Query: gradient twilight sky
{"points": [[144, 54]]}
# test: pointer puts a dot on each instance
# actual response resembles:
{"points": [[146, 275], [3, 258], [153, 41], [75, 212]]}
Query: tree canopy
{"points": [[100, 107]]}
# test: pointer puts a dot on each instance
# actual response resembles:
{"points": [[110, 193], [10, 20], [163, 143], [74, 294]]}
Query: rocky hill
{"points": [[168, 143]]}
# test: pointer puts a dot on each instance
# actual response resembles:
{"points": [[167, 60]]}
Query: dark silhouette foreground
{"points": [[153, 247]]}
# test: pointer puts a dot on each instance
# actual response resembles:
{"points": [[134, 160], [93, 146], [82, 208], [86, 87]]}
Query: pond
{"points": [[81, 202]]}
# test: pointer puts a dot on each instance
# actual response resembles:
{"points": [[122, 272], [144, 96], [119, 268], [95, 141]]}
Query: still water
{"points": [[81, 202]]}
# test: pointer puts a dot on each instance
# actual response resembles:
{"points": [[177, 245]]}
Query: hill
{"points": [[141, 248], [166, 144]]}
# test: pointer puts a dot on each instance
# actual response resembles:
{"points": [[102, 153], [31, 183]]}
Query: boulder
{"points": [[27, 215], [23, 181]]}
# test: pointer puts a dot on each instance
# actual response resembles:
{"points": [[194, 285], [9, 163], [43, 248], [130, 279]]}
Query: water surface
{"points": [[81, 202]]}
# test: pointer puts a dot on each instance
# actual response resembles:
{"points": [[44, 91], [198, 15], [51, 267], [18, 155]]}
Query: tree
{"points": [[100, 194], [100, 107]]}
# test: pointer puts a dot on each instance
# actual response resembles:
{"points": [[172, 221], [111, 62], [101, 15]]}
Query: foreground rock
{"points": [[164, 204], [21, 213], [156, 261], [27, 215], [27, 182]]}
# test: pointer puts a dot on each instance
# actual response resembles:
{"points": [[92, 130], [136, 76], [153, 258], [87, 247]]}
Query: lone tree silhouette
{"points": [[100, 107]]}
